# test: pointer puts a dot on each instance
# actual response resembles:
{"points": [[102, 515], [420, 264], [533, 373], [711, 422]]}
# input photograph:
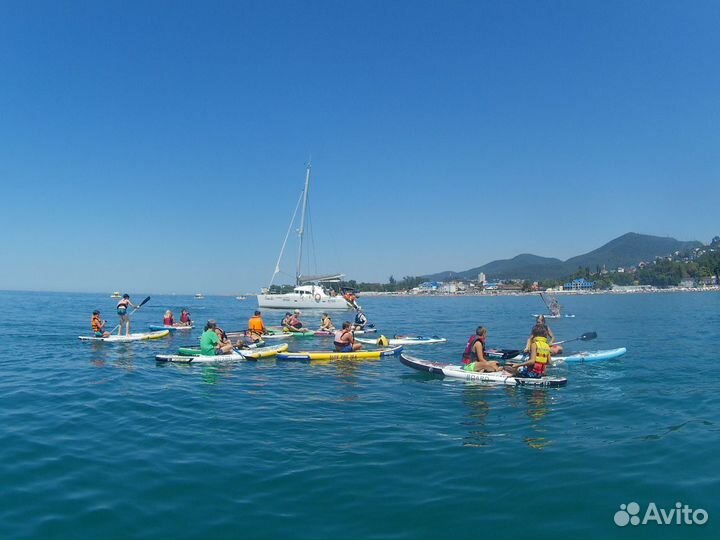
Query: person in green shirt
{"points": [[210, 342]]}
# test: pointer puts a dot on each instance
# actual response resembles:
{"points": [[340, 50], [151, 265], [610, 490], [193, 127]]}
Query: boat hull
{"points": [[291, 301]]}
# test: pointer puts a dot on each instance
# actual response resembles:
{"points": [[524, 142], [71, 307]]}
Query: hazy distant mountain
{"points": [[626, 250]]}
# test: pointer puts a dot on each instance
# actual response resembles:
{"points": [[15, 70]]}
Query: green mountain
{"points": [[626, 250]]}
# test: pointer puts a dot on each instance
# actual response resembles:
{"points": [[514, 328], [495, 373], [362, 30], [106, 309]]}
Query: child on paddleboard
{"points": [[540, 356], [98, 325], [326, 323], [555, 349]]}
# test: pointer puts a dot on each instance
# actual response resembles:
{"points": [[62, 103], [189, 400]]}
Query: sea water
{"points": [[100, 441]]}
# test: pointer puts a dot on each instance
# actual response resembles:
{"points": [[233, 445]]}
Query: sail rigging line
{"points": [[301, 231], [312, 250], [287, 235]]}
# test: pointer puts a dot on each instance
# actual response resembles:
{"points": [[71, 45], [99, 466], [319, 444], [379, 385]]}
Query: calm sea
{"points": [[100, 441]]}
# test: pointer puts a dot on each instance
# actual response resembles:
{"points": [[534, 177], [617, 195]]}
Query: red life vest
{"points": [[470, 355]]}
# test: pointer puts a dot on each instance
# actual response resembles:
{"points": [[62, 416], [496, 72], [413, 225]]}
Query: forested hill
{"points": [[626, 250]]}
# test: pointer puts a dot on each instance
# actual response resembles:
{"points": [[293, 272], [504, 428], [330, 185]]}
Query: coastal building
{"points": [[481, 278], [687, 283], [578, 285]]}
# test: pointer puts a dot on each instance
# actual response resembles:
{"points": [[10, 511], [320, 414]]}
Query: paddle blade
{"points": [[588, 336], [144, 302]]}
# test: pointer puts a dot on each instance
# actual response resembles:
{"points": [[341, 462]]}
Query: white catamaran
{"points": [[309, 292]]}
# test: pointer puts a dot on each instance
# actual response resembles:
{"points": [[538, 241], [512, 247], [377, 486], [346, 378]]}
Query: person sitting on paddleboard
{"points": [[360, 320], [122, 307], [98, 325], [474, 356], [256, 327], [344, 340], [293, 323], [185, 317], [211, 343], [326, 323], [168, 319], [555, 349], [540, 355]]}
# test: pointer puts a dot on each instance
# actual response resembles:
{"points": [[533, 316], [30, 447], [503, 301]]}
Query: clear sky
{"points": [[160, 146]]}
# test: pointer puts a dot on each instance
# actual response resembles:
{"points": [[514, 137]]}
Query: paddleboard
{"points": [[331, 355], [170, 328], [405, 340], [536, 315], [236, 355], [132, 337], [590, 356], [585, 356], [457, 372], [366, 331]]}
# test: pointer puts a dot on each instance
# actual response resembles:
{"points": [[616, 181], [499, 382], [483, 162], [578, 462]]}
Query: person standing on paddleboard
{"points": [[122, 310], [98, 325], [474, 356]]}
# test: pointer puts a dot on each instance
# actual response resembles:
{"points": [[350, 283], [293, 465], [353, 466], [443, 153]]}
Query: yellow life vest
{"points": [[542, 350]]}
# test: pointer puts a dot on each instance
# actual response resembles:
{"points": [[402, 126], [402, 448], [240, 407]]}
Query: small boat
{"points": [[199, 296], [403, 340], [236, 355], [306, 356], [168, 327], [114, 338], [457, 372], [116, 294], [240, 298]]}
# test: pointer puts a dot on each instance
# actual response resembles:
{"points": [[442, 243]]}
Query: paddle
{"points": [[141, 304], [587, 336], [544, 301]]}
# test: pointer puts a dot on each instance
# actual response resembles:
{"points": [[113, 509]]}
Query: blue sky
{"points": [[160, 146]]}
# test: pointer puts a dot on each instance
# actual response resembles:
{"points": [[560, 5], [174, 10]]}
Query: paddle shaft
{"points": [[588, 336]]}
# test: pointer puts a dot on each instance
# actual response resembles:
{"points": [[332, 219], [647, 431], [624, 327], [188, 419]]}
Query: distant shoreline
{"points": [[715, 288]]}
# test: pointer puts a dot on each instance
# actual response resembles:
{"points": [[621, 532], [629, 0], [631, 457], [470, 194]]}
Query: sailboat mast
{"points": [[301, 230]]}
